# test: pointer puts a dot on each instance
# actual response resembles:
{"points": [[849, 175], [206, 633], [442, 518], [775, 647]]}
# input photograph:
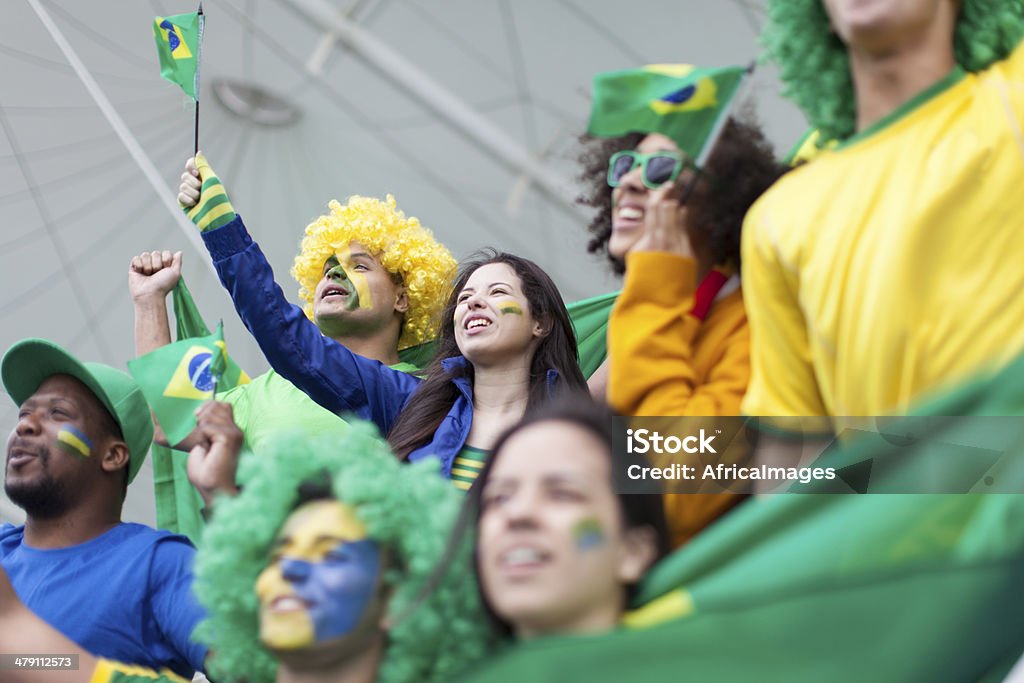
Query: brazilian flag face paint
{"points": [[321, 580], [357, 276], [588, 534], [511, 308], [337, 274], [74, 441], [350, 272]]}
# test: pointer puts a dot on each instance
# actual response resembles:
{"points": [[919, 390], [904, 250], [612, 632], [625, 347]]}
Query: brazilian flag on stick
{"points": [[680, 101], [178, 377], [178, 504], [178, 42]]}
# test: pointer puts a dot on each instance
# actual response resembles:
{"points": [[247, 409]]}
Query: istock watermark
{"points": [[878, 455], [646, 441]]}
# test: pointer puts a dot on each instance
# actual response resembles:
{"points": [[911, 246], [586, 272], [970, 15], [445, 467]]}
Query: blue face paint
{"points": [[338, 588]]}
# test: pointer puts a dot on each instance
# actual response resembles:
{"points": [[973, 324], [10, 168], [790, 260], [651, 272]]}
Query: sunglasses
{"points": [[656, 168]]}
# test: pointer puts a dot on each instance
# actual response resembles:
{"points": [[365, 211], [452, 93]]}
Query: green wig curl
{"points": [[404, 247], [815, 69], [407, 509]]}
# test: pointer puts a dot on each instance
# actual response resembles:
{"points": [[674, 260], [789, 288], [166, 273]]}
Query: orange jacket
{"points": [[666, 361]]}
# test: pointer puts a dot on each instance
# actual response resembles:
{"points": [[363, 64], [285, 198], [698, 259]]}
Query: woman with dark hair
{"points": [[506, 345], [678, 340], [558, 549], [506, 341]]}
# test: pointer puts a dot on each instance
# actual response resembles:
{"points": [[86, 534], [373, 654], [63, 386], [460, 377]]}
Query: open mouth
{"points": [[476, 322], [288, 603], [19, 456], [523, 557], [630, 214], [333, 290]]}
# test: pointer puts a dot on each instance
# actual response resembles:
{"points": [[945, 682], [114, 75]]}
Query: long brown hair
{"points": [[422, 415]]}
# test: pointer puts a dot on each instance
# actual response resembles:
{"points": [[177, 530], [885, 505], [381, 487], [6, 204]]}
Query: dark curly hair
{"points": [[815, 68], [741, 168]]}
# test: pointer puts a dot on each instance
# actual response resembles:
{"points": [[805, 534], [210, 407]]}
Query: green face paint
{"points": [[74, 441], [510, 309], [342, 269], [588, 534], [338, 274]]}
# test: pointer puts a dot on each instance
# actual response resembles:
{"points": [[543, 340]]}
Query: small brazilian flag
{"points": [[680, 101], [178, 377], [178, 42]]}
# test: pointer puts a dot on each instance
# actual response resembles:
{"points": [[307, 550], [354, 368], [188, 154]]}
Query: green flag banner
{"points": [[590, 320], [178, 504], [178, 42], [680, 101], [178, 377], [837, 587]]}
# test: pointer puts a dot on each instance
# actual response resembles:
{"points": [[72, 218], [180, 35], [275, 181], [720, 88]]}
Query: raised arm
{"points": [[333, 376], [655, 322], [151, 277]]}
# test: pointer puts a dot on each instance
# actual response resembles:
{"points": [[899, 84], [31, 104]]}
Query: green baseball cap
{"points": [[28, 363]]}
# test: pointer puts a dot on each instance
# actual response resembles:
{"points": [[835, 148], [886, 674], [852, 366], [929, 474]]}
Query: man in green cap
{"points": [[118, 589]]}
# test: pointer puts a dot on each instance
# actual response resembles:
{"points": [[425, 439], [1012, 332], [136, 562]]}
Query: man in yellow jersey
{"points": [[888, 268]]}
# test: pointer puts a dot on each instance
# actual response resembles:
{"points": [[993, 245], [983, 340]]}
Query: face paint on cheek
{"points": [[74, 441], [510, 309], [588, 534], [340, 588], [360, 297], [288, 629]]}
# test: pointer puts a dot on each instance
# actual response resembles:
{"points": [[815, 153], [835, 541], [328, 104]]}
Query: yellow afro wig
{"points": [[403, 246]]}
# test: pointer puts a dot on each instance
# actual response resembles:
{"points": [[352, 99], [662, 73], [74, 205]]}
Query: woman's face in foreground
{"points": [[553, 555]]}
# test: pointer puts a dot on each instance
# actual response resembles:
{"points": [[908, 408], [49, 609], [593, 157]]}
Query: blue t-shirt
{"points": [[125, 595]]}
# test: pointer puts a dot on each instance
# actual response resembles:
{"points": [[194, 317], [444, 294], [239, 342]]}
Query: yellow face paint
{"points": [[309, 534], [511, 308], [74, 440], [357, 278]]}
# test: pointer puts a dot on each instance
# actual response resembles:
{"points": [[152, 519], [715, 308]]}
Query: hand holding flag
{"points": [[213, 463], [203, 197]]}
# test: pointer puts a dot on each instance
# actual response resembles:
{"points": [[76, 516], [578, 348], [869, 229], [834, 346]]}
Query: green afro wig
{"points": [[402, 244], [815, 69], [407, 509]]}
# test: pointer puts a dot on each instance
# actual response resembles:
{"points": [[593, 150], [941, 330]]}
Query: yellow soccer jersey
{"points": [[893, 266]]}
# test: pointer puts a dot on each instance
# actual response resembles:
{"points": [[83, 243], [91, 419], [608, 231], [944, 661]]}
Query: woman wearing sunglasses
{"points": [[678, 341]]}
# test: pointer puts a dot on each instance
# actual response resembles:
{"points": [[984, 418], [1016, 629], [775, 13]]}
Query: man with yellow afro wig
{"points": [[370, 277], [420, 271]]}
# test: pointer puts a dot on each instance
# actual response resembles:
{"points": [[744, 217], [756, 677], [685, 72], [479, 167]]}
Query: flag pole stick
{"points": [[202, 21], [216, 375], [717, 130], [124, 134]]}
